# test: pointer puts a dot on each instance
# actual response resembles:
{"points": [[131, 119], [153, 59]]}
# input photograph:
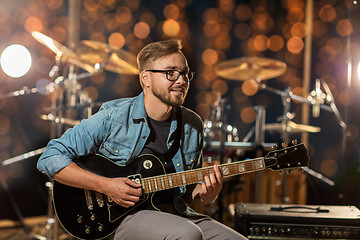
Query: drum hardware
{"points": [[15, 207], [12, 200], [23, 91], [258, 69], [331, 100], [66, 108], [114, 60], [77, 106], [60, 120], [287, 126], [247, 68], [23, 156], [63, 53], [291, 127]]}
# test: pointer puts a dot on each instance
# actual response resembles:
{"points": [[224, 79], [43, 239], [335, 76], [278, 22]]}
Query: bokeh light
{"points": [[15, 60]]}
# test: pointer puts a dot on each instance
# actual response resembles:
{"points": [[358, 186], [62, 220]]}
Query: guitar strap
{"points": [[166, 158]]}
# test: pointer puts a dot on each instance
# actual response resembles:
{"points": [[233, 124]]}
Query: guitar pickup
{"points": [[136, 178]]}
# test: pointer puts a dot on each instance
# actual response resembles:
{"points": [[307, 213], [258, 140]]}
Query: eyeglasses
{"points": [[173, 75]]}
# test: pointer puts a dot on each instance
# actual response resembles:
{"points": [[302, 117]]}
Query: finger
{"points": [[132, 199], [207, 181], [218, 174], [133, 191], [213, 181], [126, 201], [204, 189], [132, 183], [126, 204]]}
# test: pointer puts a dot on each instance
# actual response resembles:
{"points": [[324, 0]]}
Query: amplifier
{"points": [[269, 221]]}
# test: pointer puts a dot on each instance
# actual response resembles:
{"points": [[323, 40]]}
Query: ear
{"points": [[145, 79]]}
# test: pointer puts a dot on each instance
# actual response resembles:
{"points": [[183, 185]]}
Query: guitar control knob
{"points": [[100, 227], [92, 216], [87, 230], [79, 219]]}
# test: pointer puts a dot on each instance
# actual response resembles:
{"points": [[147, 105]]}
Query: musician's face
{"points": [[172, 93]]}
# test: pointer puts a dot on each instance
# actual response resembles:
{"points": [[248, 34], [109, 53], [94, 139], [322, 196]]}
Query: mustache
{"points": [[184, 89]]}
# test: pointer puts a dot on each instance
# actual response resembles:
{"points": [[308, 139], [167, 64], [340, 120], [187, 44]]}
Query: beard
{"points": [[170, 99]]}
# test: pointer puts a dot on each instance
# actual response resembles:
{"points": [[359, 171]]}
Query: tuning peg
{"points": [[300, 170], [284, 145], [294, 142], [281, 172], [289, 171]]}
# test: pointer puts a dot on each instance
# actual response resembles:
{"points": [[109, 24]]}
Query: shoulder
{"points": [[118, 103]]}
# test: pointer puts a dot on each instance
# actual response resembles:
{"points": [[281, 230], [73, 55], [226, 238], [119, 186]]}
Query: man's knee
{"points": [[190, 232]]}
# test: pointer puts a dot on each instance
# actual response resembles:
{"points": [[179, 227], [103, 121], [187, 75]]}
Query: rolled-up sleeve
{"points": [[77, 141]]}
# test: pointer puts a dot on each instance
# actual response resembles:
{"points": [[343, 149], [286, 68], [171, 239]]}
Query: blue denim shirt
{"points": [[119, 131]]}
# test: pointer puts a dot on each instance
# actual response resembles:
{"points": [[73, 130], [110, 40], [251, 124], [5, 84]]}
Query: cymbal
{"points": [[291, 127], [248, 68], [115, 60], [65, 53]]}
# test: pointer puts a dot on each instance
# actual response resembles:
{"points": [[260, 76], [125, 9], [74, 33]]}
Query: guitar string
{"points": [[152, 184]]}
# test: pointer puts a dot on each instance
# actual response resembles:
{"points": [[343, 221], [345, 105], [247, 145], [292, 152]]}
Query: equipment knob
{"points": [[79, 219], [100, 227], [87, 230]]}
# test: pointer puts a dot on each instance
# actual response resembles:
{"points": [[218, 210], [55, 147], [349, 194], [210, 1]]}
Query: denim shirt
{"points": [[119, 131]]}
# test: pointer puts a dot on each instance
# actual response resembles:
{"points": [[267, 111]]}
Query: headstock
{"points": [[294, 156]]}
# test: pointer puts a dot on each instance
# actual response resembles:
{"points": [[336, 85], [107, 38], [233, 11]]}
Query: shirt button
{"points": [[143, 137], [116, 151], [178, 164]]}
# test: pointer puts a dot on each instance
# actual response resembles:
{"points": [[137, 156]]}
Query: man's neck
{"points": [[156, 109]]}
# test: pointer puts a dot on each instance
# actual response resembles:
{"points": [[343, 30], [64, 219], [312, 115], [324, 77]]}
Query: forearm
{"points": [[75, 176]]}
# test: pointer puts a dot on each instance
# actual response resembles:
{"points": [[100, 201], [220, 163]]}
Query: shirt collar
{"points": [[138, 111]]}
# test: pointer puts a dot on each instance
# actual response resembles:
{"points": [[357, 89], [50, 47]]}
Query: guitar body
{"points": [[90, 215]]}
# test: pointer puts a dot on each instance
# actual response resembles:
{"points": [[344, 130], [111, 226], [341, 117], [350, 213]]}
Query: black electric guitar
{"points": [[88, 214]]}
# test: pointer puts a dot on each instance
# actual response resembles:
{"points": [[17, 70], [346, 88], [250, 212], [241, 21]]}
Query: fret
{"points": [[170, 181], [155, 183], [183, 178], [149, 185], [162, 183], [199, 175]]}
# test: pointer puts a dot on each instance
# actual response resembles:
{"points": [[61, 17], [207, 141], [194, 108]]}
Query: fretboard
{"points": [[167, 181]]}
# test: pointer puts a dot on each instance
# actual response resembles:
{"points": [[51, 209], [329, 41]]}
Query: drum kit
{"points": [[255, 69], [94, 57]]}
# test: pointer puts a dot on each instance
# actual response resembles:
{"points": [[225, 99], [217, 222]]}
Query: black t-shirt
{"points": [[156, 143]]}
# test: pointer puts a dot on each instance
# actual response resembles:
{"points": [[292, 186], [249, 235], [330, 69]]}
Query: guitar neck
{"points": [[167, 181]]}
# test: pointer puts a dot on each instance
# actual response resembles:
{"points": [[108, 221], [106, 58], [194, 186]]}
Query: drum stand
{"points": [[287, 116]]}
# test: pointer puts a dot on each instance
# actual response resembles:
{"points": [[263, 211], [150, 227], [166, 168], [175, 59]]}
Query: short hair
{"points": [[156, 50]]}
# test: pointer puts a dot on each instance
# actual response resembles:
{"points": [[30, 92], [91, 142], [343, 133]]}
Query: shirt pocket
{"points": [[116, 151], [191, 159]]}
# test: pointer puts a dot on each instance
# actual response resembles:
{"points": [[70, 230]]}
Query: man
{"points": [[150, 123]]}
